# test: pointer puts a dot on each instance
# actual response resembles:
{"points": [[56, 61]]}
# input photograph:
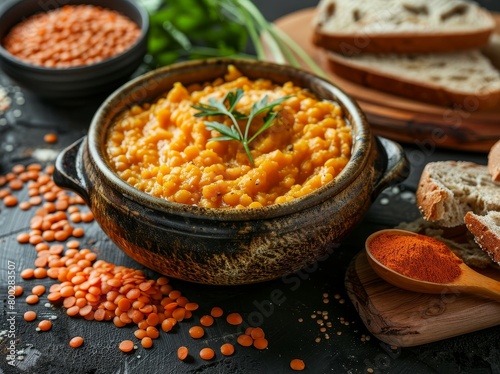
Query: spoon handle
{"points": [[475, 283]]}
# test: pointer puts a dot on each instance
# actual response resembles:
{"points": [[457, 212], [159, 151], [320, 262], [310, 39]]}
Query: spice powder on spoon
{"points": [[417, 256]]}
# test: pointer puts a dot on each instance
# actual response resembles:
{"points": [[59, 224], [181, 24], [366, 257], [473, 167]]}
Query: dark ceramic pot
{"points": [[221, 246], [75, 84]]}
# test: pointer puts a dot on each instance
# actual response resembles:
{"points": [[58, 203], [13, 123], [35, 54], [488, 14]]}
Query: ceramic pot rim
{"points": [[137, 91]]}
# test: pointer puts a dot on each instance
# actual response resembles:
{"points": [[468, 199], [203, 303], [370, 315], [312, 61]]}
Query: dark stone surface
{"points": [[276, 305]]}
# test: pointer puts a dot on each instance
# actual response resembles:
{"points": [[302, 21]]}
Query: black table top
{"points": [[290, 323]]}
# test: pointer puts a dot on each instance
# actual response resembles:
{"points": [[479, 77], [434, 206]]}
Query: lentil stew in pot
{"points": [[169, 150]]}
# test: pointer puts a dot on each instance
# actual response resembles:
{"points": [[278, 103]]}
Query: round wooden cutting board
{"points": [[402, 119]]}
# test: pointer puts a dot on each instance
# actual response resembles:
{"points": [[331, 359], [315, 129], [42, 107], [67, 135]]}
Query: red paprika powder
{"points": [[417, 256]]}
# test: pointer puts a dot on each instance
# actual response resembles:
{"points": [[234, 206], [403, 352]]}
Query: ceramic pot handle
{"points": [[396, 164], [68, 172]]}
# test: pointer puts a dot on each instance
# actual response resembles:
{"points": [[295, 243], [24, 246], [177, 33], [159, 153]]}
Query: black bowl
{"points": [[68, 85]]}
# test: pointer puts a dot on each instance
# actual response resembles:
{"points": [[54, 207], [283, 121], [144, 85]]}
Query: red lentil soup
{"points": [[166, 151], [73, 35]]}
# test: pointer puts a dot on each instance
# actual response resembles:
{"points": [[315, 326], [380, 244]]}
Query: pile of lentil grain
{"points": [[93, 289], [73, 35]]}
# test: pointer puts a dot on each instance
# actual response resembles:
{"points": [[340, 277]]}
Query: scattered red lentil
{"points": [[18, 290], [18, 169], [40, 273], [140, 333], [152, 332], [227, 349], [126, 346], [179, 314], [94, 289], [257, 333], [50, 138], [25, 205], [234, 319], [297, 364], [10, 201], [147, 342], [45, 325], [16, 184], [167, 325], [196, 332], [245, 340], [73, 244], [23, 238], [216, 312], [191, 306], [260, 343], [29, 316], [207, 353], [206, 320], [4, 193], [38, 290], [76, 342], [32, 299], [182, 353]]}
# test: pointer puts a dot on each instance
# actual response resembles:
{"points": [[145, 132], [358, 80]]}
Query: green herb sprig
{"points": [[194, 29], [227, 107]]}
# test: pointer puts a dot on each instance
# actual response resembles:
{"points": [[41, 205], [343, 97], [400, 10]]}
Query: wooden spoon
{"points": [[469, 281]]}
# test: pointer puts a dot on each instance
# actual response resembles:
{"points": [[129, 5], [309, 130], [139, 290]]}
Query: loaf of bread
{"points": [[486, 231], [447, 190], [467, 79], [494, 162], [352, 27]]}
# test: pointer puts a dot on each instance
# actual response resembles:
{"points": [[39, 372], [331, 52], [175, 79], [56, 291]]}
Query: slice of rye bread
{"points": [[447, 190], [494, 162], [458, 238], [486, 231], [467, 79], [401, 26]]}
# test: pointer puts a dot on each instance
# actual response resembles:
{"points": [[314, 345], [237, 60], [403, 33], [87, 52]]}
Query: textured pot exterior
{"points": [[227, 247]]}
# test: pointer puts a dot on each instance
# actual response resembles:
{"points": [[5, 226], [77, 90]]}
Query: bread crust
{"points": [[484, 237], [349, 45], [494, 162], [416, 90], [430, 197]]}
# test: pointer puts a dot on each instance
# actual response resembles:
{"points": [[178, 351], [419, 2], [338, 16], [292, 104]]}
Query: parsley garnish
{"points": [[227, 107]]}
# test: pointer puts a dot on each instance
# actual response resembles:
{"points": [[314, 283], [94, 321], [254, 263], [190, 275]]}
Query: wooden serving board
{"points": [[399, 118], [404, 318]]}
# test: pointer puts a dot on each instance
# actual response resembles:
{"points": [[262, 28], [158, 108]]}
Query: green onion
{"points": [[190, 29]]}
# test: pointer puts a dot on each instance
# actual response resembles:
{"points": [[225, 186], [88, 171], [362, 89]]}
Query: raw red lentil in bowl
{"points": [[73, 49], [179, 199]]}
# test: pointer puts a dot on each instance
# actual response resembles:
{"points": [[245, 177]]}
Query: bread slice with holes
{"points": [[448, 190], [463, 79], [401, 26], [486, 231], [494, 162]]}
